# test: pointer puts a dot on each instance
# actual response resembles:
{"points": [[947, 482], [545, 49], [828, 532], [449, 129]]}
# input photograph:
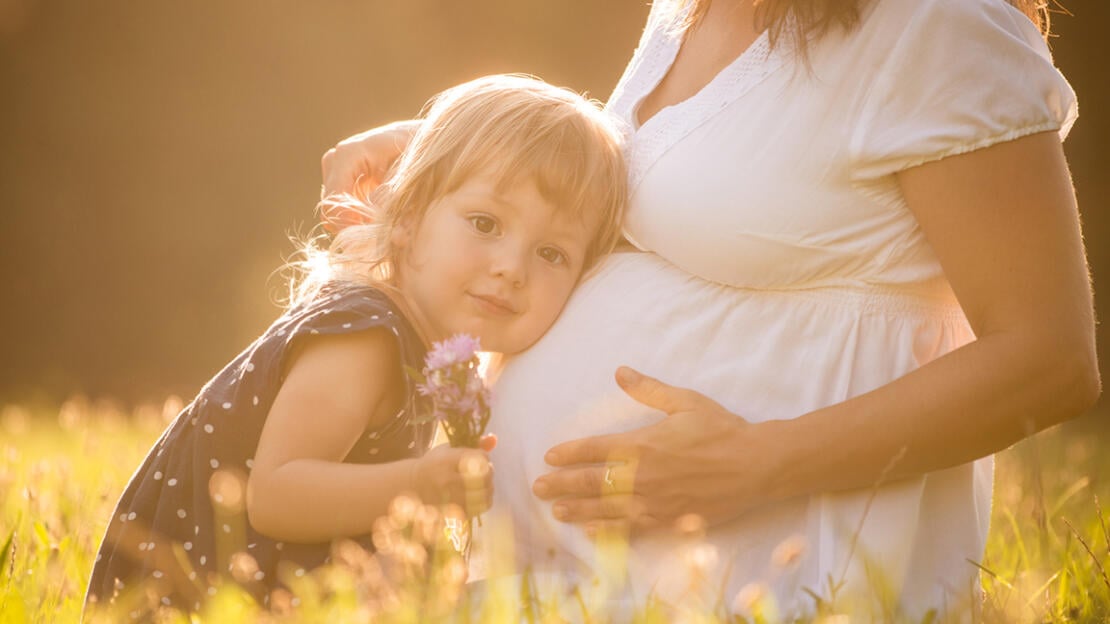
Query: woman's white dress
{"points": [[781, 271]]}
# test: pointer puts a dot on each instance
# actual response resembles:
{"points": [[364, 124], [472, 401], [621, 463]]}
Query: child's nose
{"points": [[511, 264]]}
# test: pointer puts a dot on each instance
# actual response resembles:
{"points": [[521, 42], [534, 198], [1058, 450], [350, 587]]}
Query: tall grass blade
{"points": [[991, 573], [1090, 552], [1033, 596], [1072, 490], [40, 532], [863, 517], [1016, 528], [1102, 521], [6, 555]]}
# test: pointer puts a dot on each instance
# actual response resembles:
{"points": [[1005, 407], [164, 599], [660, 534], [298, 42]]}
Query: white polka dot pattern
{"points": [[173, 495]]}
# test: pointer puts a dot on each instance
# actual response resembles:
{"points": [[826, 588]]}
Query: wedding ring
{"points": [[610, 484]]}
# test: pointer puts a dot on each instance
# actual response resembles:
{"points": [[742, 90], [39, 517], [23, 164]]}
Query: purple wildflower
{"points": [[456, 349], [459, 396]]}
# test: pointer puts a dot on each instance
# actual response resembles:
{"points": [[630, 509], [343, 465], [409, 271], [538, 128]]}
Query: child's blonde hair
{"points": [[514, 128]]}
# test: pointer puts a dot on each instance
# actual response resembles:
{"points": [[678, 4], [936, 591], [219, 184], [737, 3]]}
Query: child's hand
{"points": [[463, 476]]}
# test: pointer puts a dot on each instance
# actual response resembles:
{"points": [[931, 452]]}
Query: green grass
{"points": [[1047, 559]]}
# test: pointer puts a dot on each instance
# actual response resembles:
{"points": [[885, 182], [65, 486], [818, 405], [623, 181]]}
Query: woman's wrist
{"points": [[791, 453], [834, 448], [407, 127], [760, 466]]}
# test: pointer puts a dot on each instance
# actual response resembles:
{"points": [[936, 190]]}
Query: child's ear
{"points": [[404, 231], [401, 236]]}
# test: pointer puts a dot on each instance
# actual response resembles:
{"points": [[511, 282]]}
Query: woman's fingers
{"points": [[672, 466], [650, 475], [593, 450], [586, 481], [656, 394], [585, 510], [622, 528], [347, 168], [625, 446], [358, 164]]}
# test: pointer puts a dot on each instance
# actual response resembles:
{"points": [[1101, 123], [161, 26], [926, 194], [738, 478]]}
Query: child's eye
{"points": [[483, 224], [552, 255]]}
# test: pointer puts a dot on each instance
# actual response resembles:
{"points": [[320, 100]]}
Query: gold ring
{"points": [[610, 484]]}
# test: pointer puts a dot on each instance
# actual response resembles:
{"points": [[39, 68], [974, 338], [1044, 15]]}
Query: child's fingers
{"points": [[476, 474], [478, 501], [475, 468], [463, 476], [475, 500]]}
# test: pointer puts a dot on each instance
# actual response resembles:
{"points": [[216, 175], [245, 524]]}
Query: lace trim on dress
{"points": [[618, 104], [672, 123]]}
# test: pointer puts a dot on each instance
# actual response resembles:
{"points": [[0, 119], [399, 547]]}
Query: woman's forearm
{"points": [[311, 500], [1011, 248], [972, 402]]}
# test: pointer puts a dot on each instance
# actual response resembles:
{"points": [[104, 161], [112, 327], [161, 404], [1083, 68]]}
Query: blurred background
{"points": [[155, 157]]}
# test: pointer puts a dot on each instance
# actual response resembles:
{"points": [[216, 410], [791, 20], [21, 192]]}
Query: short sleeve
{"points": [[963, 75], [348, 308], [342, 310]]}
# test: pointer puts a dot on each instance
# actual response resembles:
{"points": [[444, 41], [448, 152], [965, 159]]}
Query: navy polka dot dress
{"points": [[180, 527]]}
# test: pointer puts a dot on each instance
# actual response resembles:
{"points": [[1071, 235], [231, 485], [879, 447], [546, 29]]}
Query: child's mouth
{"points": [[493, 305]]}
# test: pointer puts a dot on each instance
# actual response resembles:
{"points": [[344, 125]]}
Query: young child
{"points": [[510, 189]]}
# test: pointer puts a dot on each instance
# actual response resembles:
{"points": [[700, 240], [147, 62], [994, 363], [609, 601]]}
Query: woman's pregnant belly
{"points": [[761, 354]]}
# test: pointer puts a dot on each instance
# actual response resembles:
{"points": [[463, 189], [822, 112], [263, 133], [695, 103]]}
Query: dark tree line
{"points": [[154, 156]]}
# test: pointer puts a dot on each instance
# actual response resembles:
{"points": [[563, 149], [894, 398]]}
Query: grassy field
{"points": [[61, 472]]}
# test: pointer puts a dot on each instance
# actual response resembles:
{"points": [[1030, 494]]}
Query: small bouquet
{"points": [[459, 397], [460, 401]]}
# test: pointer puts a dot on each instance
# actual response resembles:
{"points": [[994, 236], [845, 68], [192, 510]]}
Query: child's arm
{"points": [[337, 386]]}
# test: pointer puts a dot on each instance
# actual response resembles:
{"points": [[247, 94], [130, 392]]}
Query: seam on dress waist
{"points": [[864, 298], [871, 300]]}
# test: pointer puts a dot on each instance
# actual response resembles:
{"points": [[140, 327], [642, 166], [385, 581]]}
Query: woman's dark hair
{"points": [[818, 17]]}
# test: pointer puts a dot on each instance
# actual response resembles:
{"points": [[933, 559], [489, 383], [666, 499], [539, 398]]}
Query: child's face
{"points": [[499, 266]]}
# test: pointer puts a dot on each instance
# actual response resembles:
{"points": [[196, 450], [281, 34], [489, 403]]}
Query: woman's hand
{"points": [[359, 164], [700, 459], [463, 476]]}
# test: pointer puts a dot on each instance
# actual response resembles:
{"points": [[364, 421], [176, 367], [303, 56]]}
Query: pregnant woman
{"points": [[858, 272]]}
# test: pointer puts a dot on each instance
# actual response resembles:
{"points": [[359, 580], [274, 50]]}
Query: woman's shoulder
{"points": [[948, 76], [946, 18]]}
